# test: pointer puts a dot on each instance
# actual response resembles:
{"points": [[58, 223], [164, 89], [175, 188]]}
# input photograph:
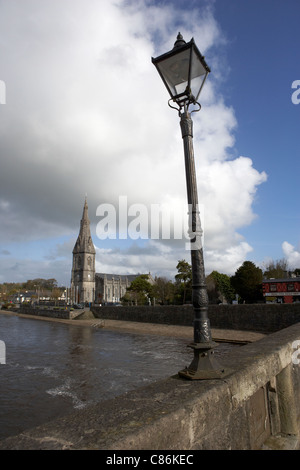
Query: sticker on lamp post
{"points": [[2, 352]]}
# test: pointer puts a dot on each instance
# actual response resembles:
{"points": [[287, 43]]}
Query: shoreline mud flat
{"points": [[218, 335]]}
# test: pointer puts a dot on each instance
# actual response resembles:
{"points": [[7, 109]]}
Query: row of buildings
{"points": [[286, 290]]}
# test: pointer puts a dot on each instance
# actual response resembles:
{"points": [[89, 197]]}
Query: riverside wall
{"points": [[265, 318], [62, 314]]}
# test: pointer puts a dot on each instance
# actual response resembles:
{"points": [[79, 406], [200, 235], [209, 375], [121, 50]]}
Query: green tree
{"points": [[247, 282], [163, 291], [33, 284], [139, 290], [56, 294], [183, 281], [9, 289], [219, 288]]}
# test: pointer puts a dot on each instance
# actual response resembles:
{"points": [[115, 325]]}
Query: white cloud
{"points": [[292, 255], [19, 270], [230, 259], [139, 259], [87, 112], [229, 191]]}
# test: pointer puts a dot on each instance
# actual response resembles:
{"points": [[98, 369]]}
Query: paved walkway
{"points": [[180, 331]]}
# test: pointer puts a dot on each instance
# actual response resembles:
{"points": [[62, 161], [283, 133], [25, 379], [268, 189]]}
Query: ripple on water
{"points": [[54, 368]]}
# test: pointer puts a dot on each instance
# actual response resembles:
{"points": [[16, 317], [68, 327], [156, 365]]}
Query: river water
{"points": [[53, 368]]}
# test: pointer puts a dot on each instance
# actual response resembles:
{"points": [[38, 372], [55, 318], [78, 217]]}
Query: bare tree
{"points": [[276, 269]]}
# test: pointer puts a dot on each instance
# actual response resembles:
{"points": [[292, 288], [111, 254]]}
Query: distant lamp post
{"points": [[184, 71]]}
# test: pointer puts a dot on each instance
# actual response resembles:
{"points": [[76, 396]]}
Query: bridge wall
{"points": [[255, 406]]}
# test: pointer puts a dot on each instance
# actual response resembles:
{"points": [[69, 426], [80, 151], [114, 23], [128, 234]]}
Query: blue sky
{"points": [[85, 112], [264, 61]]}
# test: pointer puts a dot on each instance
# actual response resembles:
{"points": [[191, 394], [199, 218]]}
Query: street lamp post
{"points": [[184, 71]]}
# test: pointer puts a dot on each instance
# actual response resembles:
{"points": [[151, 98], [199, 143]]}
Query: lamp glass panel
{"points": [[198, 74], [175, 70]]}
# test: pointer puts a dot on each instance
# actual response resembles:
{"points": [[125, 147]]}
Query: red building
{"points": [[284, 291]]}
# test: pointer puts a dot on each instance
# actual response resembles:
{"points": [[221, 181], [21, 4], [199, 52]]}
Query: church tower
{"points": [[83, 269]]}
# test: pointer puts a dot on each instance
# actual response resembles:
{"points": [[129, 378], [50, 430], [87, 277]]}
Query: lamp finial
{"points": [[179, 41]]}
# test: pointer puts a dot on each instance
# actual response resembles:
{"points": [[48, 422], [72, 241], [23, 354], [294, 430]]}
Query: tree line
{"points": [[39, 286], [245, 285]]}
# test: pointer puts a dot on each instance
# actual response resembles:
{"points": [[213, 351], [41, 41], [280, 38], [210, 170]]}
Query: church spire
{"points": [[85, 216], [83, 269], [84, 242]]}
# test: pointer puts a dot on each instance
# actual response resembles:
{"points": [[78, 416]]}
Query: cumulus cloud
{"points": [[128, 261], [86, 112], [292, 255], [16, 270]]}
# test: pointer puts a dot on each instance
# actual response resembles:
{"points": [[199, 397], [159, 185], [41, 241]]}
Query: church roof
{"points": [[84, 243], [109, 277], [129, 277]]}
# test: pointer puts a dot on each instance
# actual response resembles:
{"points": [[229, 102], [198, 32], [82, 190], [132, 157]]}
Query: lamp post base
{"points": [[204, 365]]}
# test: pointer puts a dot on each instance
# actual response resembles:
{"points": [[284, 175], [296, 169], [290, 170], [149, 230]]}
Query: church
{"points": [[87, 286]]}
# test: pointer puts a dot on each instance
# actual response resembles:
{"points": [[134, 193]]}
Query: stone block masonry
{"points": [[63, 314], [265, 318]]}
